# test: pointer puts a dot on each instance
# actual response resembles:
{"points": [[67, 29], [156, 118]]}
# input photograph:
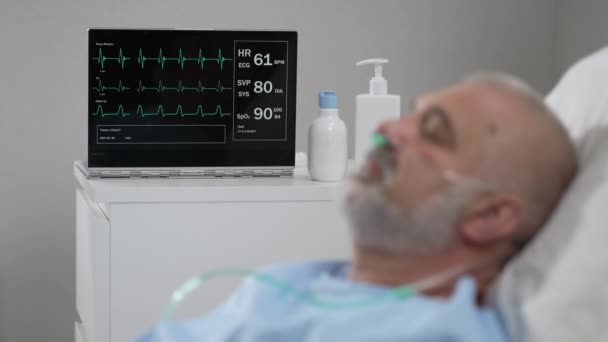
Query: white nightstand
{"points": [[137, 240]]}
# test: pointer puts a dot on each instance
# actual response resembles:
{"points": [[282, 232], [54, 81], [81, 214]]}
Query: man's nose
{"points": [[398, 132]]}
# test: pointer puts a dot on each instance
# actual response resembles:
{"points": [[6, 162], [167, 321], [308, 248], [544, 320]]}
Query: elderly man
{"points": [[453, 190]]}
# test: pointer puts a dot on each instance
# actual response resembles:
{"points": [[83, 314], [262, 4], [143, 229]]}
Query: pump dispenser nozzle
{"points": [[378, 84]]}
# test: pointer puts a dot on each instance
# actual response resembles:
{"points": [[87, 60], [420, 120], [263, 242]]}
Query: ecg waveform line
{"points": [[161, 59], [180, 88], [160, 111], [120, 87], [160, 87], [181, 59], [101, 59]]}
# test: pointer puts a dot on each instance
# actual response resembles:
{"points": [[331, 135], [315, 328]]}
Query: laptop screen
{"points": [[191, 98]]}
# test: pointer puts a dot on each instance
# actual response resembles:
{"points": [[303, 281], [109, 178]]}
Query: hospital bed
{"points": [[556, 289]]}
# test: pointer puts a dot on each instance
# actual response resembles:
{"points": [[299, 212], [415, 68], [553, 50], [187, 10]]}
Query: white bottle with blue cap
{"points": [[327, 147]]}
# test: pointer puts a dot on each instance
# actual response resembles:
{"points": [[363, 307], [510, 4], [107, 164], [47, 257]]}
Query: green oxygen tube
{"points": [[305, 297]]}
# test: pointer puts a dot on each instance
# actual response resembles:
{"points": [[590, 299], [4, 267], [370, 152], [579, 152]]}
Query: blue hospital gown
{"points": [[259, 313]]}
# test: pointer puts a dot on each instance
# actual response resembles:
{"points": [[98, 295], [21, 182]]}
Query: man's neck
{"points": [[377, 267]]}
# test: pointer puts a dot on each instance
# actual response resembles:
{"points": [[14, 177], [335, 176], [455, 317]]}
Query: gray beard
{"points": [[376, 223]]}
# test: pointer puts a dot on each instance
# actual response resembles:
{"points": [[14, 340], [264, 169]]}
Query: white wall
{"points": [[582, 27], [43, 104]]}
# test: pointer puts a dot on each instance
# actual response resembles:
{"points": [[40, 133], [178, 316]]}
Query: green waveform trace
{"points": [[101, 88], [101, 59], [160, 87], [161, 59], [180, 88], [160, 111], [181, 59]]}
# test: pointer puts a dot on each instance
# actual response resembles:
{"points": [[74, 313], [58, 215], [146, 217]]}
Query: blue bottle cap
{"points": [[328, 99]]}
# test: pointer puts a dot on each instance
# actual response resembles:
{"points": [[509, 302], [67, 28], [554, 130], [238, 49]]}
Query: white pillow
{"points": [[557, 288]]}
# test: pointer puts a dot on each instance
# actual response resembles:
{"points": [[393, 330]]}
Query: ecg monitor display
{"points": [[191, 98]]}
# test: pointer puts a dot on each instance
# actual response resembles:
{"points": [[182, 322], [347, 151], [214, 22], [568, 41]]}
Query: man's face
{"points": [[445, 131]]}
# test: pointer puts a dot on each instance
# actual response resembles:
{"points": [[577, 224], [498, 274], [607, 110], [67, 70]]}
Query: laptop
{"points": [[191, 103]]}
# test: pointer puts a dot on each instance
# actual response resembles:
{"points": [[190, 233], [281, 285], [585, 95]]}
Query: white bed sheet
{"points": [[557, 290]]}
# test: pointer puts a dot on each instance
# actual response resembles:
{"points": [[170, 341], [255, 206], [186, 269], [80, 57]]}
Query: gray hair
{"points": [[517, 86]]}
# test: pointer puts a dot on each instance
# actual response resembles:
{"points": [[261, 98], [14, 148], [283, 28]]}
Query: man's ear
{"points": [[492, 218]]}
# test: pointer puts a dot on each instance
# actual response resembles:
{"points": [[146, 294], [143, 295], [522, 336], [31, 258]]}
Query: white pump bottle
{"points": [[372, 109]]}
